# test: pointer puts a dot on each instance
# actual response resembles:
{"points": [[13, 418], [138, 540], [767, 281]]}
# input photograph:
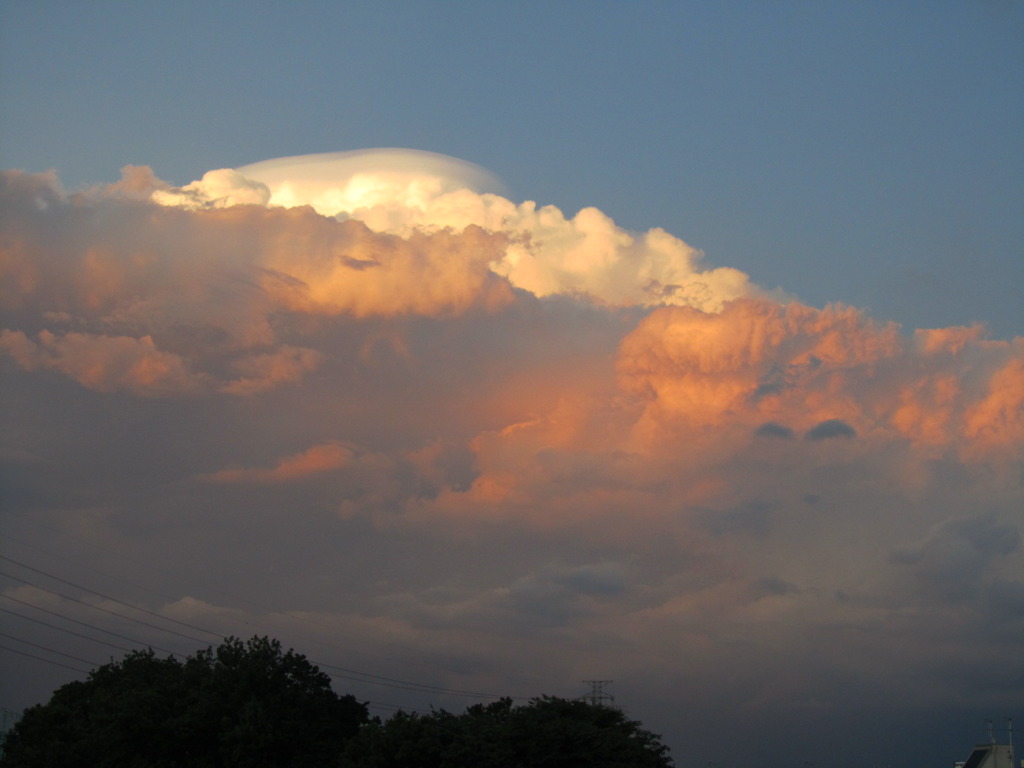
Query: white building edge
{"points": [[991, 755]]}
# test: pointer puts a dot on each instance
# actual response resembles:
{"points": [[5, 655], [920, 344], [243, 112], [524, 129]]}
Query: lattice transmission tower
{"points": [[598, 696]]}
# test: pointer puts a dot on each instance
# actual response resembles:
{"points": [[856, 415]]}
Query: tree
{"points": [[251, 704], [548, 731], [241, 704]]}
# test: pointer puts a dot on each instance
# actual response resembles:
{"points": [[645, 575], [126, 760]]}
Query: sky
{"points": [[478, 349]]}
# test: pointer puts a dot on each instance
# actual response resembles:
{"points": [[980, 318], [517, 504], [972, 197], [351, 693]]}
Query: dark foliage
{"points": [[548, 731], [250, 704], [242, 704]]}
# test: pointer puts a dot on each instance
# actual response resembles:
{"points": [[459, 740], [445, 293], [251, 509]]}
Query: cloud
{"points": [[346, 181], [403, 192], [956, 560], [263, 372], [314, 461], [104, 363], [190, 296], [217, 189], [772, 429], [491, 446], [829, 429], [997, 420], [832, 372]]}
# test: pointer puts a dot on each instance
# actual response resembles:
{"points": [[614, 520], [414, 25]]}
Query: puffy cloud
{"points": [[590, 255], [402, 192], [830, 373], [449, 432], [193, 296], [217, 189], [104, 363], [997, 421], [263, 372], [345, 268]]}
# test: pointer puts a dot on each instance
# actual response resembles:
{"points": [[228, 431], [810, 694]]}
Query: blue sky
{"points": [[867, 153], [463, 443]]}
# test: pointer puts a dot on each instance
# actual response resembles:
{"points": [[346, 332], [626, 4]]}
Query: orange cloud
{"points": [[656, 477], [208, 291], [331, 267], [997, 421], [700, 395], [112, 259], [947, 340], [105, 363], [760, 362], [319, 459], [263, 372], [755, 361], [403, 193], [927, 409]]}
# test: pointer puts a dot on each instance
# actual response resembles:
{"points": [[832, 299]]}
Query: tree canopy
{"points": [[252, 704], [241, 704], [546, 732]]}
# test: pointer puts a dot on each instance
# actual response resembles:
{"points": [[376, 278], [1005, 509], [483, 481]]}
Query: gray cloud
{"points": [[829, 429], [771, 429]]}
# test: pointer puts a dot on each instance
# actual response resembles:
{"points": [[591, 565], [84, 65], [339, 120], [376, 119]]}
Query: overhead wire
{"points": [[107, 597], [406, 685], [122, 555], [65, 560], [49, 650], [86, 624], [304, 618], [101, 608], [391, 707], [47, 661], [343, 672], [65, 629]]}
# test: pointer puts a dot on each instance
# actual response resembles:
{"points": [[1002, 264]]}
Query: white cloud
{"points": [[402, 192]]}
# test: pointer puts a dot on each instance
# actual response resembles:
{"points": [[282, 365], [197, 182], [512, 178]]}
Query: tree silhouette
{"points": [[547, 732], [241, 704], [251, 704]]}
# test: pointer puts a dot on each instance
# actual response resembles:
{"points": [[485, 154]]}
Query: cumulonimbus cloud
{"points": [[681, 458], [176, 299], [402, 192]]}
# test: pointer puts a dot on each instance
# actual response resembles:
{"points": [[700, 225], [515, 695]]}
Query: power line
{"points": [[104, 610], [206, 587], [112, 599], [65, 629], [47, 661], [352, 675], [341, 673], [344, 673], [408, 686], [64, 560], [391, 707], [86, 624], [164, 595], [49, 650]]}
